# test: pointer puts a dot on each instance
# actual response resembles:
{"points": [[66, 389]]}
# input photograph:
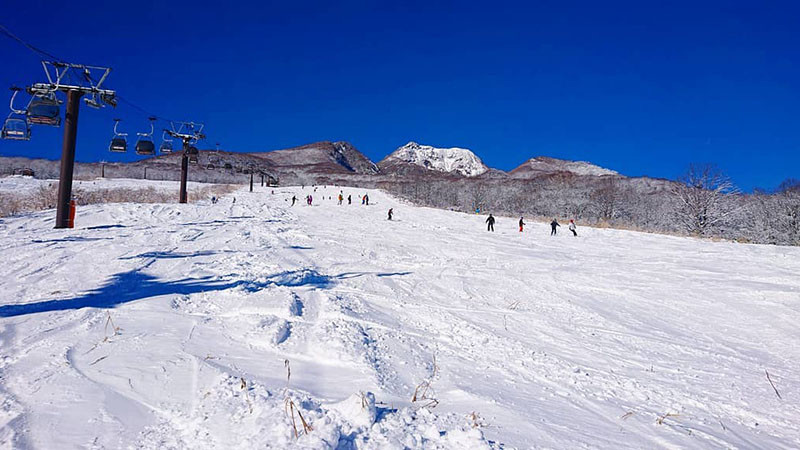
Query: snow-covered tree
{"points": [[703, 198]]}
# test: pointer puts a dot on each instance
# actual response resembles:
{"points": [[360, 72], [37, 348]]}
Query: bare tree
{"points": [[702, 195], [606, 199], [478, 194]]}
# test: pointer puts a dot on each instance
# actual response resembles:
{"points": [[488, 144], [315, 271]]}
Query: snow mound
{"points": [[459, 160], [235, 413], [358, 409]]}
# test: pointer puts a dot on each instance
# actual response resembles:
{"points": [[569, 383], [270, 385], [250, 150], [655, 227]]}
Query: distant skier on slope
{"points": [[366, 197], [294, 199], [341, 198], [521, 224], [490, 223], [572, 227], [390, 213], [349, 199], [553, 226]]}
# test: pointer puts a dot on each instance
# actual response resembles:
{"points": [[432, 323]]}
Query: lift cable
{"points": [[30, 47], [4, 30]]}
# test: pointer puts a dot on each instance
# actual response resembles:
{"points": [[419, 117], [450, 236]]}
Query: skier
{"points": [[572, 227], [349, 199], [341, 198], [490, 222], [521, 224], [553, 226], [366, 198], [294, 199], [390, 213]]}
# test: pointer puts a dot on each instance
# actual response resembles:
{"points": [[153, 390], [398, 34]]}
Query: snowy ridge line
{"points": [[609, 340]]}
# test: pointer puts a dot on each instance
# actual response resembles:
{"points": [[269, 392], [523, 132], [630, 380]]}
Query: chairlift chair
{"points": [[119, 143], [44, 110], [145, 145], [193, 153], [15, 126], [16, 129], [166, 144]]}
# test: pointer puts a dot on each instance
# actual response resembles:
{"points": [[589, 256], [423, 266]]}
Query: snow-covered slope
{"points": [[450, 160], [175, 326], [542, 165]]}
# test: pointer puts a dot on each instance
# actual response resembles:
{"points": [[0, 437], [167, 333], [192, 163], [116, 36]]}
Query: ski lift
{"points": [[145, 145], [16, 129], [166, 144], [44, 109], [15, 126], [119, 143], [193, 153]]}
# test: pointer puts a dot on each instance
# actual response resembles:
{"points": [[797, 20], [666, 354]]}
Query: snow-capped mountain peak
{"points": [[543, 164], [454, 159]]}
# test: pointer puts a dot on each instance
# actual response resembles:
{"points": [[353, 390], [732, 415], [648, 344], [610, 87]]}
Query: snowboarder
{"points": [[490, 222], [294, 199], [572, 227], [553, 226], [390, 213], [349, 199], [521, 224]]}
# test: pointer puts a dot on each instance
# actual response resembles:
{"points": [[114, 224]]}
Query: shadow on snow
{"points": [[136, 285]]}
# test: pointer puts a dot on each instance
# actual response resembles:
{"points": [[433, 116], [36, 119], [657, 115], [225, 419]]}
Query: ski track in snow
{"points": [[168, 326]]}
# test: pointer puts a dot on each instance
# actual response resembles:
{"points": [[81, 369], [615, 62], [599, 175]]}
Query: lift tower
{"points": [[189, 133], [83, 81]]}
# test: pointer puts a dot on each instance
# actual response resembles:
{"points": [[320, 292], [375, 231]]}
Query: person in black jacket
{"points": [[490, 222], [391, 211], [521, 224], [553, 226]]}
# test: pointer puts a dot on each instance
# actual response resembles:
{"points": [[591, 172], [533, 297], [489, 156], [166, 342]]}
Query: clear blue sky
{"points": [[640, 87]]}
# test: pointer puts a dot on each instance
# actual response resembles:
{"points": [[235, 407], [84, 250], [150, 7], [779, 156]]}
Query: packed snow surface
{"points": [[454, 159], [218, 326], [29, 185]]}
